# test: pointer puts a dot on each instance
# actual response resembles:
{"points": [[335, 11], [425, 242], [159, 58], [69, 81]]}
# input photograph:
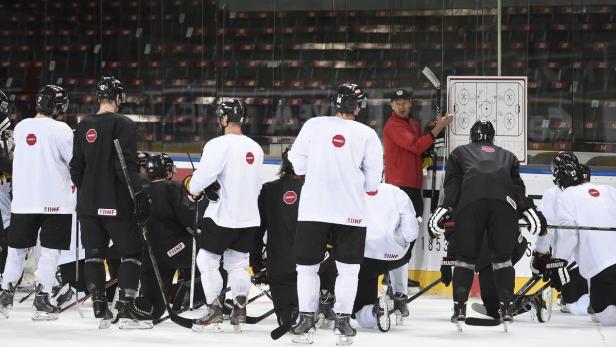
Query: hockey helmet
{"points": [[568, 175], [482, 131], [348, 96], [142, 159], [108, 87], [52, 100], [561, 158], [585, 169], [234, 109], [160, 166]]}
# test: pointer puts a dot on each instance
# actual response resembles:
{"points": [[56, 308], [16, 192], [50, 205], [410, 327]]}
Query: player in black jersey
{"points": [[104, 205]]}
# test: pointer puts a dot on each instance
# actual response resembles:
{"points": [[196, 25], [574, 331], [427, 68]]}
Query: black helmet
{"points": [[585, 169], [561, 158], [51, 100], [142, 158], [482, 131], [4, 104], [568, 175], [108, 88], [160, 166], [348, 96], [234, 110]]}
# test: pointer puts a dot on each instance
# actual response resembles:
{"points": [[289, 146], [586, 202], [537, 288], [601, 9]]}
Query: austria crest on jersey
{"points": [[250, 158], [487, 149], [338, 141], [31, 139], [289, 197], [91, 135], [594, 193]]}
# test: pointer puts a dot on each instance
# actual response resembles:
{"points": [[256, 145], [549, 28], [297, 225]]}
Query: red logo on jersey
{"points": [[487, 149], [593, 192], [250, 158], [372, 193], [290, 197], [31, 139], [91, 135], [338, 141]]}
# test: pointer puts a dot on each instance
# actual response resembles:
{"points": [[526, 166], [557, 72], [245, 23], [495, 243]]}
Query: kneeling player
{"points": [[390, 235]]}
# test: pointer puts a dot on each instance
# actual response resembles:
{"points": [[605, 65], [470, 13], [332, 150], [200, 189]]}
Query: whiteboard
{"points": [[501, 100]]}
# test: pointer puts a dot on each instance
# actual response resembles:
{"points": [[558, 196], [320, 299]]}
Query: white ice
{"points": [[427, 326]]}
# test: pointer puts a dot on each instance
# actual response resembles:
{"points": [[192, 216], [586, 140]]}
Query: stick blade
{"points": [[431, 77], [483, 322]]}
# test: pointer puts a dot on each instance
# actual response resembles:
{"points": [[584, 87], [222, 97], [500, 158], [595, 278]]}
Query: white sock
{"points": [[399, 279], [211, 279], [580, 307], [346, 287], [365, 318], [236, 265], [47, 266], [14, 266], [308, 284]]}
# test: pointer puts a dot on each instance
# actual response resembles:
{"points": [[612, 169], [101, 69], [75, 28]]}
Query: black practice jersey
{"points": [[172, 212], [483, 171], [278, 203], [95, 167]]}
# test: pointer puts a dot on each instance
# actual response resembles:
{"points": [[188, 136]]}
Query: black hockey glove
{"points": [[536, 221], [557, 272], [436, 222], [211, 192], [143, 203], [538, 262], [447, 265]]}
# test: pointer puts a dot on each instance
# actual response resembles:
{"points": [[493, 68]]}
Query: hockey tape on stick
{"points": [[427, 72]]}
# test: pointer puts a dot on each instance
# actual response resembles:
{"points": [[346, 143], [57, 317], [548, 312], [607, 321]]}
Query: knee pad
{"points": [[207, 261], [19, 253], [50, 254], [95, 255], [345, 269], [234, 260], [501, 265], [469, 265]]}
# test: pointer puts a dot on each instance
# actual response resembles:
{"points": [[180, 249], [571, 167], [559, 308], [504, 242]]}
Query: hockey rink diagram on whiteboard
{"points": [[501, 100]]}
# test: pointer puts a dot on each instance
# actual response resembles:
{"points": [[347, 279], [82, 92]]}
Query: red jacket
{"points": [[404, 145]]}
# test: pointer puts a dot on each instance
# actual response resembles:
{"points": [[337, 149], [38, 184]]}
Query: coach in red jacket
{"points": [[404, 145]]}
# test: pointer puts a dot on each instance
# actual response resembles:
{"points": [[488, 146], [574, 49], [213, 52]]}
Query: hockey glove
{"points": [[186, 184], [557, 272], [143, 203], [538, 262], [447, 265], [211, 192], [436, 222], [536, 221]]}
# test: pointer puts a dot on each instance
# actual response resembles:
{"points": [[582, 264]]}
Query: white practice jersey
{"points": [[41, 179], [342, 160], [68, 256], [592, 205], [234, 161], [5, 199], [548, 207], [391, 223]]}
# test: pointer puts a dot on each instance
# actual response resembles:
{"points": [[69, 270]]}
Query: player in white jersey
{"points": [[342, 160], [575, 298], [588, 204], [231, 165], [41, 198], [391, 232], [5, 177]]}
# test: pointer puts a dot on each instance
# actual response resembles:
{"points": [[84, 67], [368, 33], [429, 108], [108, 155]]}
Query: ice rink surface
{"points": [[427, 326]]}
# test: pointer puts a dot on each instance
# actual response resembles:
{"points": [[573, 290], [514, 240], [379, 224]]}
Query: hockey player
{"points": [[104, 205], [172, 212], [484, 193], [41, 199], [588, 204], [575, 293], [342, 160], [234, 161], [6, 168], [391, 232], [278, 204]]}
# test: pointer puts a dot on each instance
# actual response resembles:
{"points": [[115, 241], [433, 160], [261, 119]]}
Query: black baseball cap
{"points": [[401, 94]]}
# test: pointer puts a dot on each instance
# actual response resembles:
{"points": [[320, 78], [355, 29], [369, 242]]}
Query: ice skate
{"points": [[459, 314], [132, 315], [62, 294], [238, 315], [327, 316], [101, 310], [381, 313], [6, 300], [210, 322], [343, 329], [303, 330], [400, 307], [43, 309], [506, 314]]}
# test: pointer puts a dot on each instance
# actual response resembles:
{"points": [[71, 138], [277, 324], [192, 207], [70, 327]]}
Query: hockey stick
{"points": [[573, 227], [194, 248], [181, 321], [421, 292], [88, 296], [436, 83]]}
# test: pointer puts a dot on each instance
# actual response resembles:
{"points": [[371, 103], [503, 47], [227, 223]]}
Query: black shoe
{"points": [[100, 306], [62, 294], [459, 312], [304, 325], [326, 305], [342, 328], [238, 315], [506, 311], [6, 300], [43, 309], [133, 314], [211, 319], [400, 304]]}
